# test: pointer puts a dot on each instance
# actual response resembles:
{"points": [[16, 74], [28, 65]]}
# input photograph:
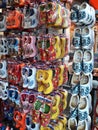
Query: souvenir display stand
{"points": [[83, 16], [32, 69]]}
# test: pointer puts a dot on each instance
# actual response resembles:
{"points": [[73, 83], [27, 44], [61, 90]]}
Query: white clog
{"points": [[85, 84], [83, 108], [75, 82], [77, 38], [88, 61], [84, 13], [87, 38], [74, 105], [77, 61], [85, 124]]}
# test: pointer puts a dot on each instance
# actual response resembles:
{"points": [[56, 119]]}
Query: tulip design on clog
{"points": [[3, 69], [57, 47], [55, 108], [2, 22], [3, 46], [30, 125], [3, 90], [77, 62], [88, 61], [19, 119]]}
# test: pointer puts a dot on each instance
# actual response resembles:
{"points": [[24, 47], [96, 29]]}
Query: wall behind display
{"points": [[94, 3]]}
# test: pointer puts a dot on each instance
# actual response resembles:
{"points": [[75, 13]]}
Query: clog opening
{"points": [[84, 80], [83, 103], [76, 79], [74, 101], [78, 56], [85, 31], [87, 56], [78, 31], [82, 126], [72, 124], [83, 6]]}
